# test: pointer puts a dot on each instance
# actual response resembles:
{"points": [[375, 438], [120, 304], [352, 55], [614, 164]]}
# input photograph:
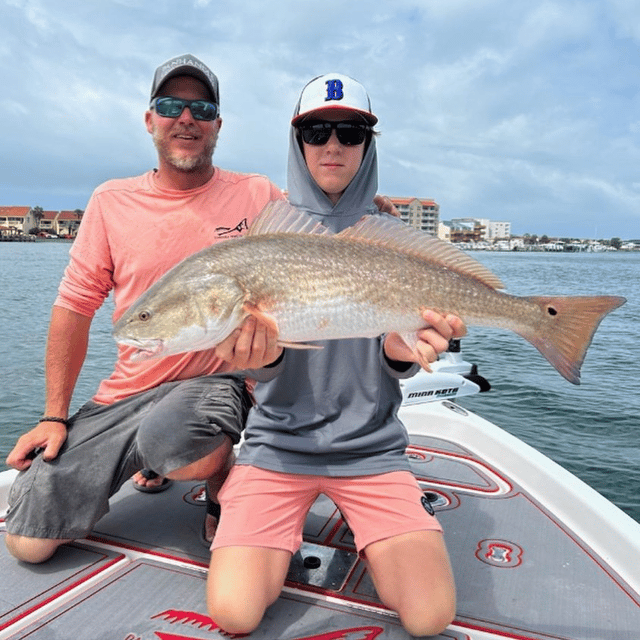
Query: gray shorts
{"points": [[163, 429]]}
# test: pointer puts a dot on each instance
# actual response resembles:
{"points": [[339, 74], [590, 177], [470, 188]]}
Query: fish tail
{"points": [[567, 328]]}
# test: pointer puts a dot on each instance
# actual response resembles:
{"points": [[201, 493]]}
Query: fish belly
{"points": [[341, 318]]}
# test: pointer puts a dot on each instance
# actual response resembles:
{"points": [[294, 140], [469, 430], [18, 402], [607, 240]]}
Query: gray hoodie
{"points": [[331, 411]]}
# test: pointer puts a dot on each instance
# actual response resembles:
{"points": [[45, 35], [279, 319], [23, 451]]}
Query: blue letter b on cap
{"points": [[334, 90]]}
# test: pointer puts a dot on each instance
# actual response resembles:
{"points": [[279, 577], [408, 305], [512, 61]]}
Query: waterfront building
{"points": [[420, 213], [19, 218], [444, 231], [468, 230], [498, 230], [67, 222]]}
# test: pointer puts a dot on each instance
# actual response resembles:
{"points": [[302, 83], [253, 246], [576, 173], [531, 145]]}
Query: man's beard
{"points": [[181, 162]]}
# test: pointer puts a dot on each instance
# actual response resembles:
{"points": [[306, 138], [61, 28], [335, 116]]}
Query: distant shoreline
{"points": [[462, 246], [32, 239]]}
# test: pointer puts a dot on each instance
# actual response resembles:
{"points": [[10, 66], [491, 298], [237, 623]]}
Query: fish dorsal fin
{"points": [[395, 234], [278, 216]]}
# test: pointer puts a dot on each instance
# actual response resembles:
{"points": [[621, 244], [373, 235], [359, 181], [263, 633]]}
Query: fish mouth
{"points": [[144, 349]]}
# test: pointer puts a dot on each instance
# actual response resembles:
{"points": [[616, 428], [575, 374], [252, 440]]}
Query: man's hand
{"points": [[385, 205], [431, 341], [48, 436], [252, 346]]}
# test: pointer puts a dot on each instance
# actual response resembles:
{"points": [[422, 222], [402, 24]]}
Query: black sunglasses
{"points": [[168, 107], [318, 133]]}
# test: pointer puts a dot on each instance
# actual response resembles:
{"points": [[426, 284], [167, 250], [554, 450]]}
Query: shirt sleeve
{"points": [[401, 374], [88, 278], [268, 373]]}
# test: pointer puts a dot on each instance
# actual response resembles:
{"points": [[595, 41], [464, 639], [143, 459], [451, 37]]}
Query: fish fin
{"points": [[395, 234], [252, 310], [279, 216], [299, 345], [411, 340], [269, 320], [565, 336]]}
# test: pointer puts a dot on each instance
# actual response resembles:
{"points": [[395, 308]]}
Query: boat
{"points": [[537, 554]]}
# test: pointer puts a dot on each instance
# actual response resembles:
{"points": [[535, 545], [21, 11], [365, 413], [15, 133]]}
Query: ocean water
{"points": [[593, 429]]}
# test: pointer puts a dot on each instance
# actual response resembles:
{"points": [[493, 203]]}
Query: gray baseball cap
{"points": [[186, 65]]}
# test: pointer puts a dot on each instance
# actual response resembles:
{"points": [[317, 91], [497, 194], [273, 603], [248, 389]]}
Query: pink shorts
{"points": [[263, 508]]}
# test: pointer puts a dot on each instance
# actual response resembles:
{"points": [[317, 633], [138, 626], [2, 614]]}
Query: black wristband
{"points": [[63, 421], [398, 365]]}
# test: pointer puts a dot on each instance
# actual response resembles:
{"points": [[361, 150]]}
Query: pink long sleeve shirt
{"points": [[133, 232]]}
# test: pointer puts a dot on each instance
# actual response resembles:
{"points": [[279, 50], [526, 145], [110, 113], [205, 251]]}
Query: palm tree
{"points": [[78, 213], [38, 214]]}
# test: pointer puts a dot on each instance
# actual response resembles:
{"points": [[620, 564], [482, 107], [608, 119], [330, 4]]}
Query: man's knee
{"points": [[214, 463], [32, 550]]}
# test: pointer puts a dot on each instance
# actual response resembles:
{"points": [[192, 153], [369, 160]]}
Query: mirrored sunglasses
{"points": [[168, 107], [318, 133]]}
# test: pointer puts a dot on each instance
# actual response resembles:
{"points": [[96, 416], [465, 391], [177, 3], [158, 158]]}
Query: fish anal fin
{"points": [[393, 233], [298, 345], [262, 316], [279, 216]]}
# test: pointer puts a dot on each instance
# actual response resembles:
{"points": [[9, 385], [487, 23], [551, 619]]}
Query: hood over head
{"points": [[304, 193]]}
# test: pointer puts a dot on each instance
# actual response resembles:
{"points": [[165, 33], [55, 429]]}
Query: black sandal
{"points": [[149, 474], [212, 509]]}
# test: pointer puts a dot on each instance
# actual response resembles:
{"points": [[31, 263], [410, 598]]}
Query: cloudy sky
{"points": [[527, 111]]}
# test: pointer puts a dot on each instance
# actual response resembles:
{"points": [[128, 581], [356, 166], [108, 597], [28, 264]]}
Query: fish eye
{"points": [[144, 316]]}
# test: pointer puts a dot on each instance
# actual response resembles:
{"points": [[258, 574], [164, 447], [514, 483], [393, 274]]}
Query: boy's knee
{"points": [[234, 617], [427, 621]]}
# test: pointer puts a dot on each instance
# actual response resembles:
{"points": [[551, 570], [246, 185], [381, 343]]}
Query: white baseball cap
{"points": [[334, 91]]}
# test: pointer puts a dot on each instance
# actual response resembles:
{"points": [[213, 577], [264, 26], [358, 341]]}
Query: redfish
{"points": [[372, 278]]}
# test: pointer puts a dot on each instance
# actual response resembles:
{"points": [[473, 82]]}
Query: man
{"points": [[166, 414]]}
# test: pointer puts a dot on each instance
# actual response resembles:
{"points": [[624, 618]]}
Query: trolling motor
{"points": [[451, 377], [452, 362]]}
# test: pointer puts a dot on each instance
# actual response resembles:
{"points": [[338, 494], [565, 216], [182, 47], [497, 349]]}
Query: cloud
{"points": [[511, 111]]}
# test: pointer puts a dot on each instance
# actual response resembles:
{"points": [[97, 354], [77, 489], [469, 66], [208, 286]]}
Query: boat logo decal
{"points": [[448, 392], [499, 553], [196, 496], [204, 623]]}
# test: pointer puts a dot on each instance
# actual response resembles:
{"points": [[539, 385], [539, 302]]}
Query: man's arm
{"points": [[66, 350]]}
